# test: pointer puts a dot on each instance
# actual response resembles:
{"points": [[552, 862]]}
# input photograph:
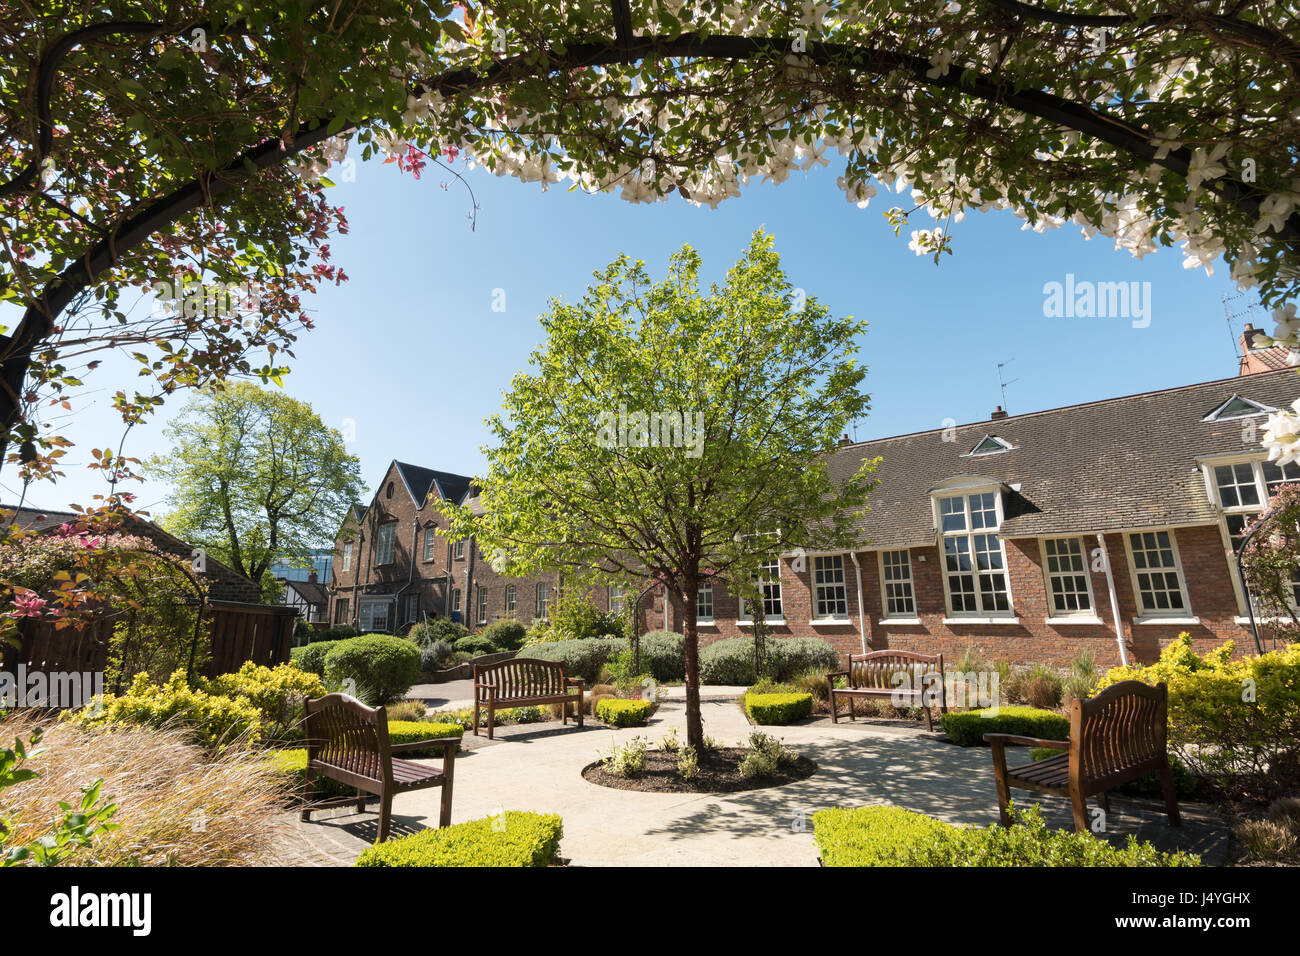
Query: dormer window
{"points": [[989, 445], [1237, 407]]}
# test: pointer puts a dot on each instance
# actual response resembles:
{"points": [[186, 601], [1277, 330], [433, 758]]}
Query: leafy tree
{"points": [[256, 474], [752, 388], [136, 136]]}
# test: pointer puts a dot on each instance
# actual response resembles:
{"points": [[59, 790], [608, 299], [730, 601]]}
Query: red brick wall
{"points": [[1031, 639]]}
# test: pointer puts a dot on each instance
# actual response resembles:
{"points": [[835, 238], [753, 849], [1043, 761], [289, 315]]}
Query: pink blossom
{"points": [[27, 604]]}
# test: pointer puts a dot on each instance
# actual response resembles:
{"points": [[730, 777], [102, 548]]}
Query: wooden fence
{"points": [[262, 633]]}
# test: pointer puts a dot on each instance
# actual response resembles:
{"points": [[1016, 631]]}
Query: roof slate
{"points": [[1120, 463]]}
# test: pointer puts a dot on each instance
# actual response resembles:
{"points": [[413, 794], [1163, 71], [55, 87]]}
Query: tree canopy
{"points": [[659, 418], [138, 135], [256, 477]]}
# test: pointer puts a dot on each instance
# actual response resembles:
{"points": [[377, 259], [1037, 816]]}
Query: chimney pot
{"points": [[998, 413], [311, 578], [844, 440]]}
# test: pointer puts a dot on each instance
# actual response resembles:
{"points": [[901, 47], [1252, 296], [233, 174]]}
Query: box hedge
{"points": [[663, 655], [582, 658], [892, 836], [778, 708], [408, 731], [967, 728], [624, 713], [514, 838], [312, 657], [505, 635], [731, 661], [382, 667]]}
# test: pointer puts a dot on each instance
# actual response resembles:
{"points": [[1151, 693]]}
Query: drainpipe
{"points": [[469, 586], [410, 571], [1114, 599], [862, 627]]}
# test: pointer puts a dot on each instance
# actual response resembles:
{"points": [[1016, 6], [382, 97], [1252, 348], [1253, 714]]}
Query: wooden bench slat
{"points": [[523, 681]]}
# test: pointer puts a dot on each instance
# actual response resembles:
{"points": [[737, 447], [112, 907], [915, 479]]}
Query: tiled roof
{"points": [[420, 482], [1120, 463], [310, 591]]}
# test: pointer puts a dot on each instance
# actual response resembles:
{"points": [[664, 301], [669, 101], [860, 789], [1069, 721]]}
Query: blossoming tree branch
{"points": [[145, 138]]}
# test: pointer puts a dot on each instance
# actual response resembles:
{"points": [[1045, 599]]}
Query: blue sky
{"points": [[411, 351]]}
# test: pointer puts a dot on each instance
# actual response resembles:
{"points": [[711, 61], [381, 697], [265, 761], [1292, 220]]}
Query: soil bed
{"points": [[719, 773]]}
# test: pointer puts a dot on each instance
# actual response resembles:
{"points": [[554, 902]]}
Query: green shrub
{"points": [[277, 692], [383, 668], [891, 836], [628, 760], [409, 731], [663, 655], [624, 713], [1043, 688], [338, 632], [312, 657], [505, 635], [778, 708], [766, 756], [575, 617], [731, 661], [435, 656], [514, 838], [967, 729], [580, 658], [688, 764], [474, 644]]}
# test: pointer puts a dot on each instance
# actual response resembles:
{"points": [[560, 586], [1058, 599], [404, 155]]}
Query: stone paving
{"points": [[537, 767]]}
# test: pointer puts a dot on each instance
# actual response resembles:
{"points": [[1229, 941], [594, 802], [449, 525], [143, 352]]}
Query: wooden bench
{"points": [[898, 675], [348, 742], [1115, 737], [523, 681]]}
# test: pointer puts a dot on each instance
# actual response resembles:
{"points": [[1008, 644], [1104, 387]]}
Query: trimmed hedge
{"points": [[383, 667], [583, 658], [505, 635], [312, 657], [474, 644], [292, 765], [778, 708], [624, 713], [731, 661], [967, 728], [663, 655], [892, 836], [520, 839], [407, 731]]}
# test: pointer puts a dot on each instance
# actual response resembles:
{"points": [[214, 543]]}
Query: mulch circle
{"points": [[719, 773]]}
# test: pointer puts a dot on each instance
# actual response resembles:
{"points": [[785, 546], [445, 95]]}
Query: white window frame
{"points": [[892, 617], [1055, 616], [412, 608], [702, 592], [1183, 615], [481, 614], [430, 542], [347, 556], [510, 599], [543, 601], [819, 586], [965, 492], [1217, 415], [615, 596], [366, 616], [458, 551], [455, 600], [744, 618], [389, 529]]}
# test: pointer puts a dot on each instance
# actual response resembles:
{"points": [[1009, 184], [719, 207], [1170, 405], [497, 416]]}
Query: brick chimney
{"points": [[998, 414], [311, 578], [844, 440], [1257, 357]]}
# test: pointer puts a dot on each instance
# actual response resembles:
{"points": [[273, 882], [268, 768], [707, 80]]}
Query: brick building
{"points": [[1032, 536], [393, 565]]}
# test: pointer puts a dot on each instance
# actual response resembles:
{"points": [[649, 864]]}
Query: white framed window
{"points": [[768, 583], [455, 601], [1238, 407], [1242, 489], [704, 604], [385, 541], [347, 555], [373, 617], [615, 599], [1157, 574], [543, 600], [896, 584], [510, 599], [975, 565], [482, 605], [458, 551], [1069, 586], [412, 608], [430, 542], [830, 597]]}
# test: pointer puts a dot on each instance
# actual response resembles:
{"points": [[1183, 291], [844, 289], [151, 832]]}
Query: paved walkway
{"points": [[537, 767]]}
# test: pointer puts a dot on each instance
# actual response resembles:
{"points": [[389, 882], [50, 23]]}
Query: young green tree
{"points": [[676, 435], [255, 475]]}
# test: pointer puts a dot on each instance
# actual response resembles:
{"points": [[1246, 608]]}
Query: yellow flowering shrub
{"points": [[1235, 723]]}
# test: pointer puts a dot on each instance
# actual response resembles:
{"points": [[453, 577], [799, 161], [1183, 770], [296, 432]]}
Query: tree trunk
{"points": [[690, 631]]}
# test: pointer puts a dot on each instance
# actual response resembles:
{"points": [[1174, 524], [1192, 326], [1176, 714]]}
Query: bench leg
{"points": [[929, 719], [385, 815], [476, 713], [361, 800], [492, 719], [853, 713], [1171, 795], [577, 708], [1103, 801], [564, 713], [1000, 779], [835, 715], [444, 806], [1080, 806], [307, 778]]}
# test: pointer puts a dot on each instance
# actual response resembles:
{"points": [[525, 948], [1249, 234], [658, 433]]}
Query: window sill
{"points": [[1090, 619], [705, 622], [899, 620], [770, 620], [830, 621], [980, 620], [1245, 621], [1157, 619]]}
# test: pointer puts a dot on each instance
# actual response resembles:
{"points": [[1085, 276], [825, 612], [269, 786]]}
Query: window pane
{"points": [[1158, 582], [828, 578], [899, 599], [1066, 576], [1275, 476], [983, 511], [704, 602], [952, 514], [1236, 485]]}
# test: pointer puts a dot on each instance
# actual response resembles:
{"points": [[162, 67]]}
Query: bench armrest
{"points": [[1005, 739], [834, 674], [575, 682], [448, 744]]}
